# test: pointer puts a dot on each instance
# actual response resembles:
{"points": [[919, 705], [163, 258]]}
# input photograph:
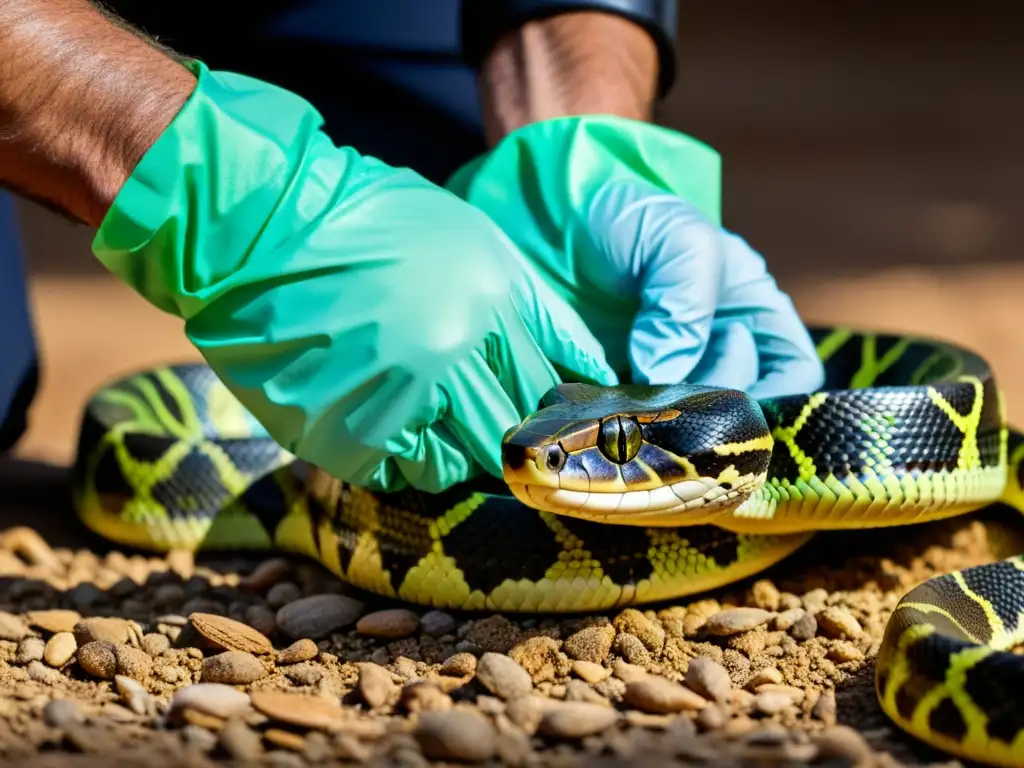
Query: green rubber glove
{"points": [[375, 324], [623, 218]]}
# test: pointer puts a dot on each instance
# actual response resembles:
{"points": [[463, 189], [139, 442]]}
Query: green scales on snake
{"points": [[621, 496]]}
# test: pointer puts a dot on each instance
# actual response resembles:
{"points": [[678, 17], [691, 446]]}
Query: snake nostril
{"points": [[552, 458], [513, 455]]}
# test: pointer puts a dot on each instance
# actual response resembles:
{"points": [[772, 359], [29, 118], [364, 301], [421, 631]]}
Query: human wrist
{"points": [[576, 63], [82, 98]]}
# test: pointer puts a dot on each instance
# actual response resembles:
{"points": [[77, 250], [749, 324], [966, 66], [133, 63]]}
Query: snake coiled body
{"points": [[622, 496]]}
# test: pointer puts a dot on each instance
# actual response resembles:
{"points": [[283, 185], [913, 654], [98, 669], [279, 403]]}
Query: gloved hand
{"points": [[374, 323], [623, 218]]}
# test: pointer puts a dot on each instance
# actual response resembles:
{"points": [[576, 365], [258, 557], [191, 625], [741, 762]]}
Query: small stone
{"points": [[199, 738], [708, 678], [132, 694], [43, 674], [317, 616], [627, 672], [591, 672], [459, 665], [659, 696], [232, 668], [736, 620], [632, 649], [229, 634], [576, 720], [436, 624], [262, 619], [132, 662], [316, 748], [284, 739], [456, 734], [766, 676], [839, 623], [297, 652], [54, 620], [633, 622], [214, 699], [814, 601], [590, 643], [265, 575], [391, 624], [711, 718], [299, 710], [766, 595], [97, 658], [804, 628], [526, 711], [843, 651], [693, 623], [283, 593], [375, 685], [60, 713], [181, 562], [155, 644], [577, 690], [60, 649], [304, 673], [500, 675], [101, 629], [787, 619], [824, 708], [421, 696], [240, 741], [541, 658], [30, 649], [772, 702], [841, 741], [12, 628]]}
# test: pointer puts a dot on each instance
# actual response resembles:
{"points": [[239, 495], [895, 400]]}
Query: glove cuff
{"points": [[211, 183]]}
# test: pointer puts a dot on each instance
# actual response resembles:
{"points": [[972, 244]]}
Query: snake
{"points": [[621, 496]]}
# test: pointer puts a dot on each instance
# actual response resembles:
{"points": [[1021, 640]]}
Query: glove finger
{"points": [[787, 360], [660, 247], [730, 359]]}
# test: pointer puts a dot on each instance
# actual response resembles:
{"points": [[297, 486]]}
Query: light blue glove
{"points": [[623, 218]]}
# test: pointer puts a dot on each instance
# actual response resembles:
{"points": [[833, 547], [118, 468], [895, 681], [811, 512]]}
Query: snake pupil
{"points": [[620, 439]]}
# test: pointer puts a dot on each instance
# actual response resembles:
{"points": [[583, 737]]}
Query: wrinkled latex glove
{"points": [[623, 218], [375, 324]]}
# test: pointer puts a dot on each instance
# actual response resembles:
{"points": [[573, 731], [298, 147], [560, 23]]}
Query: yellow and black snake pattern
{"points": [[621, 496]]}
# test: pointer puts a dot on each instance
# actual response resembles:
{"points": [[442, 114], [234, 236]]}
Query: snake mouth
{"points": [[687, 502]]}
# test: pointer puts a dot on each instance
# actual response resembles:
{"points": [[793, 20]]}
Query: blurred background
{"points": [[872, 152]]}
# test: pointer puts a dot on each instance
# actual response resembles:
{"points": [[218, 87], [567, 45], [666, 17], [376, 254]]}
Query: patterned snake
{"points": [[625, 495]]}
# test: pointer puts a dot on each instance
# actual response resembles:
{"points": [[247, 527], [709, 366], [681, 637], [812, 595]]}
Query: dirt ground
{"points": [[879, 201]]}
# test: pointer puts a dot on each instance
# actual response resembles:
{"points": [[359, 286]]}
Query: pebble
{"points": [[265, 575], [843, 651], [772, 702], [526, 711], [214, 699], [240, 741], [422, 696], [132, 694], [765, 595], [627, 672], [232, 668], [787, 619], [500, 675], [459, 665], [824, 708], [199, 738], [317, 616], [30, 649], [840, 741], [590, 643], [437, 624], [230, 635], [375, 685], [456, 734], [299, 710], [814, 601], [43, 674], [711, 718], [391, 624], [658, 696], [766, 676], [736, 620], [102, 630], [839, 623], [262, 619], [283, 593], [60, 649], [577, 690], [12, 628], [299, 651], [97, 658], [132, 662], [804, 628], [304, 673], [591, 672], [54, 620], [284, 739], [632, 649], [155, 644], [708, 678], [60, 713], [576, 720]]}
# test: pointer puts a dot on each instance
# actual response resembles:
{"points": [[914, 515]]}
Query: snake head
{"points": [[639, 455]]}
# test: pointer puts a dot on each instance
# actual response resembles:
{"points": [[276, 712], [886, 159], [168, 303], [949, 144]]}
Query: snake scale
{"points": [[622, 496]]}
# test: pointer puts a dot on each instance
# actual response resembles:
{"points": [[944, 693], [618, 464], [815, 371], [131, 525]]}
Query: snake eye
{"points": [[551, 458], [620, 439]]}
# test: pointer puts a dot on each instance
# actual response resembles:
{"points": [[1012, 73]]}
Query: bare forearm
{"points": [[570, 64], [82, 98]]}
